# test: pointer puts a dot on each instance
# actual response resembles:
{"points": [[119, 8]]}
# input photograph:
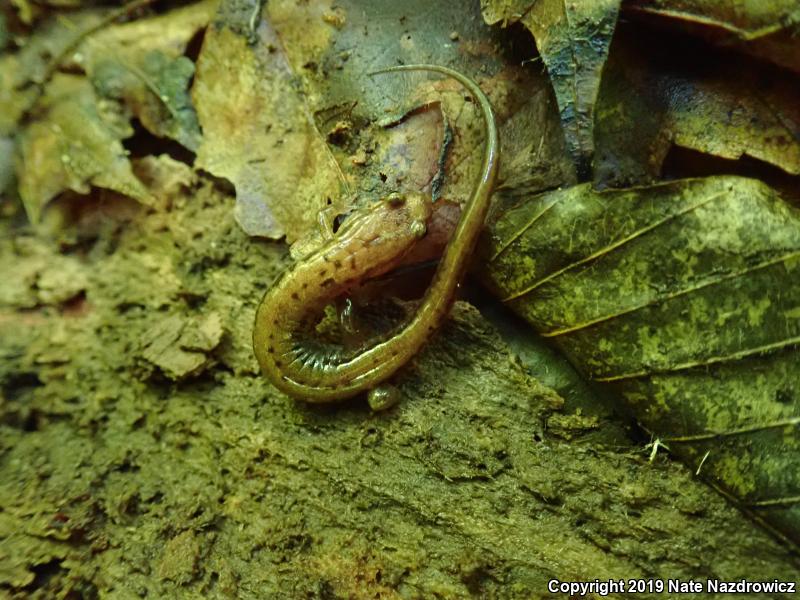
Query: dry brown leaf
{"points": [[257, 133], [72, 146], [653, 97], [573, 39], [764, 28]]}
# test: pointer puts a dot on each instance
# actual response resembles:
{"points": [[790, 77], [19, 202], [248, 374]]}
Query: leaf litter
{"points": [[184, 448]]}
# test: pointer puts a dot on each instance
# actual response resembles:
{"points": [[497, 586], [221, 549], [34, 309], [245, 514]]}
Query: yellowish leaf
{"points": [[72, 147]]}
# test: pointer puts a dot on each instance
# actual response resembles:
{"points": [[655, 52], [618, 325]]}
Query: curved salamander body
{"points": [[370, 242]]}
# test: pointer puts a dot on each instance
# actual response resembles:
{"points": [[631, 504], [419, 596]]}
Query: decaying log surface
{"points": [[142, 455]]}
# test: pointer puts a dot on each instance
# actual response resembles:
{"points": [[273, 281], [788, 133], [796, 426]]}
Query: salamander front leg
{"points": [[325, 220]]}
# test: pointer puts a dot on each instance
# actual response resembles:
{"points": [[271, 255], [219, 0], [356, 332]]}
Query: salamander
{"points": [[370, 242]]}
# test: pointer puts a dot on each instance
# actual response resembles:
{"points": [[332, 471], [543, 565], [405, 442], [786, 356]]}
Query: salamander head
{"points": [[378, 236], [396, 217], [410, 210]]}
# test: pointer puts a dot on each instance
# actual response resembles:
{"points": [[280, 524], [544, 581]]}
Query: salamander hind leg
{"points": [[383, 397]]}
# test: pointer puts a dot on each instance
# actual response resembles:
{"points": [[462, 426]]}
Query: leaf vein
{"points": [[712, 360], [523, 229], [614, 246], [672, 295]]}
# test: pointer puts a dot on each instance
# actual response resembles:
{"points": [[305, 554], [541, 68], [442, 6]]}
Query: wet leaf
{"points": [[653, 97], [682, 296], [156, 91], [573, 39], [72, 146], [142, 65], [395, 106], [767, 29], [396, 127]]}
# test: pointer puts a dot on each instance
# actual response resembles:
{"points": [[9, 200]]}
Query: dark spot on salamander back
{"points": [[327, 282], [295, 296]]}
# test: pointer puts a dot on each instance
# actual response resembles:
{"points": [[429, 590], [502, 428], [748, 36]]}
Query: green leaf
{"points": [[573, 39], [684, 297]]}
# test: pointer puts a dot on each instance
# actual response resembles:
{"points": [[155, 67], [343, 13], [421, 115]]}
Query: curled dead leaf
{"points": [[573, 40], [653, 98], [156, 90], [73, 146]]}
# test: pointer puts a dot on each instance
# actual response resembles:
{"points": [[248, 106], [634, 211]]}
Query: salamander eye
{"points": [[395, 200]]}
